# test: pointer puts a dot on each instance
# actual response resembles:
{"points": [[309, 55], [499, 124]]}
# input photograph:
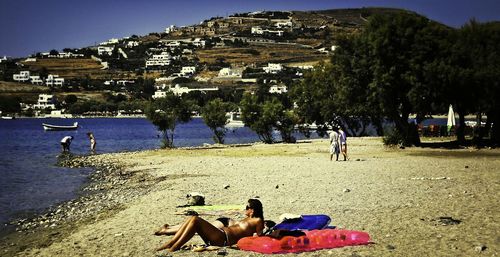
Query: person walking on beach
{"points": [[92, 141], [212, 235], [343, 143], [334, 144], [66, 142]]}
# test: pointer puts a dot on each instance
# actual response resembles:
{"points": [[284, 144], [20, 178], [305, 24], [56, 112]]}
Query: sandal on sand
{"points": [[162, 230], [212, 248], [198, 248]]}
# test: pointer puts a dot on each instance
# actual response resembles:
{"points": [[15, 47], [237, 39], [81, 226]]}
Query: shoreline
{"points": [[395, 195], [94, 200]]}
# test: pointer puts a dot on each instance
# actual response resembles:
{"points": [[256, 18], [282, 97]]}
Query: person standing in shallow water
{"points": [[92, 141], [212, 235], [66, 142]]}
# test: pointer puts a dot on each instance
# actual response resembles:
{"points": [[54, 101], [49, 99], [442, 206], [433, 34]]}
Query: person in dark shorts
{"points": [[66, 142]]}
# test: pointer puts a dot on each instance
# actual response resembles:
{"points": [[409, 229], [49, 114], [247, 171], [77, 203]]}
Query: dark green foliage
{"points": [[9, 104], [252, 114], [214, 115], [263, 113], [165, 113], [70, 99]]}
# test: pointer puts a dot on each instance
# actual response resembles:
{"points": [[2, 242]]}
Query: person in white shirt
{"points": [[66, 142], [334, 144]]}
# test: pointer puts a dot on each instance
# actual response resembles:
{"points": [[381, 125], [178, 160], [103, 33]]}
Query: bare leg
{"points": [[177, 235], [171, 230], [167, 230], [208, 232]]}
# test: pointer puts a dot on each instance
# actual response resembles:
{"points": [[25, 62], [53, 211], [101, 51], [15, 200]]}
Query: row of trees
{"points": [[400, 64]]}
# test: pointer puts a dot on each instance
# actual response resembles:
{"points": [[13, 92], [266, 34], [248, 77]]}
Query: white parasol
{"points": [[451, 117]]}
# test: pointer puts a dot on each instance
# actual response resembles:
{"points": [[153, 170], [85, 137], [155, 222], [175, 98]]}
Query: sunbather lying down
{"points": [[171, 230], [218, 223], [212, 235]]}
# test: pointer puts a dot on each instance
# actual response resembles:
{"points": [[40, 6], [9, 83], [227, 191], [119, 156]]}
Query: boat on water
{"points": [[50, 127], [234, 120]]}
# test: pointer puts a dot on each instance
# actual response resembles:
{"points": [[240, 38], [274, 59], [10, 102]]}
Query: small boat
{"points": [[8, 118], [234, 120], [58, 127]]}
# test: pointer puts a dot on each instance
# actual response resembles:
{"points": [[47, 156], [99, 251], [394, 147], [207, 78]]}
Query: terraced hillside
{"points": [[262, 54], [72, 68]]}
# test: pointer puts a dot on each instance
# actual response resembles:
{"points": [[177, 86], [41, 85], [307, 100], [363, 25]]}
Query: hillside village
{"points": [[230, 53]]}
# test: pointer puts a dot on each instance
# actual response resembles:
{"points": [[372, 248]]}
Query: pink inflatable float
{"points": [[313, 240]]}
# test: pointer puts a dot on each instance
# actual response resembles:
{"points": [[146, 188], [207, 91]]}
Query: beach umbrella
{"points": [[451, 119]]}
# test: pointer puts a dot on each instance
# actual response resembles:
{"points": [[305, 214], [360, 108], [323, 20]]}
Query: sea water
{"points": [[30, 180]]}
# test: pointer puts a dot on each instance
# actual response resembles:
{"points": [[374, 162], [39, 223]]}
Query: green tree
{"points": [[165, 113], [9, 104], [286, 119], [253, 116], [476, 66], [398, 49], [70, 99], [214, 115]]}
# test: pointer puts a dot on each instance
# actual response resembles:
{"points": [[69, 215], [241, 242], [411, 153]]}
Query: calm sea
{"points": [[30, 181]]}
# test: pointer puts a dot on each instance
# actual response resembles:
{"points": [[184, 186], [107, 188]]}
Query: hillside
{"points": [[299, 46], [261, 54], [295, 39]]}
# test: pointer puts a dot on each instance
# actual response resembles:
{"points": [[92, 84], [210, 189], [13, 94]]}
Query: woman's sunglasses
{"points": [[248, 207]]}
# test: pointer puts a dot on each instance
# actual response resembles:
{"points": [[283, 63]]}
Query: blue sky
{"points": [[30, 26]]}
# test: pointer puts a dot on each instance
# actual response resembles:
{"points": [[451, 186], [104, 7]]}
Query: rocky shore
{"points": [[413, 201]]}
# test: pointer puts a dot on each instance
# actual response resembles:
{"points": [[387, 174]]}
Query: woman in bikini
{"points": [[225, 236], [171, 230]]}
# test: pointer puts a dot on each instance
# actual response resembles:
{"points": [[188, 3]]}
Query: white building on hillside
{"points": [[173, 44], [36, 80], [260, 31], [178, 90], [198, 42], [45, 101], [170, 29], [230, 73], [131, 44], [54, 80], [285, 24], [105, 50], [188, 70], [23, 76], [278, 89], [273, 68], [111, 41], [162, 59], [159, 94]]}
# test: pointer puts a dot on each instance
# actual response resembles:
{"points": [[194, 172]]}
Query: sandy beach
{"points": [[412, 202]]}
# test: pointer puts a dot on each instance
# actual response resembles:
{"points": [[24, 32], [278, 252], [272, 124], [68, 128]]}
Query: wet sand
{"points": [[413, 201]]}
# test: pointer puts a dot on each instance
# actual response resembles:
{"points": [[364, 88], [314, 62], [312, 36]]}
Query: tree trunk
{"points": [[495, 130], [476, 139], [487, 128], [461, 128]]}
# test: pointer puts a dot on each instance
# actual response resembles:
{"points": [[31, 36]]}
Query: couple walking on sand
{"points": [[338, 143]]}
